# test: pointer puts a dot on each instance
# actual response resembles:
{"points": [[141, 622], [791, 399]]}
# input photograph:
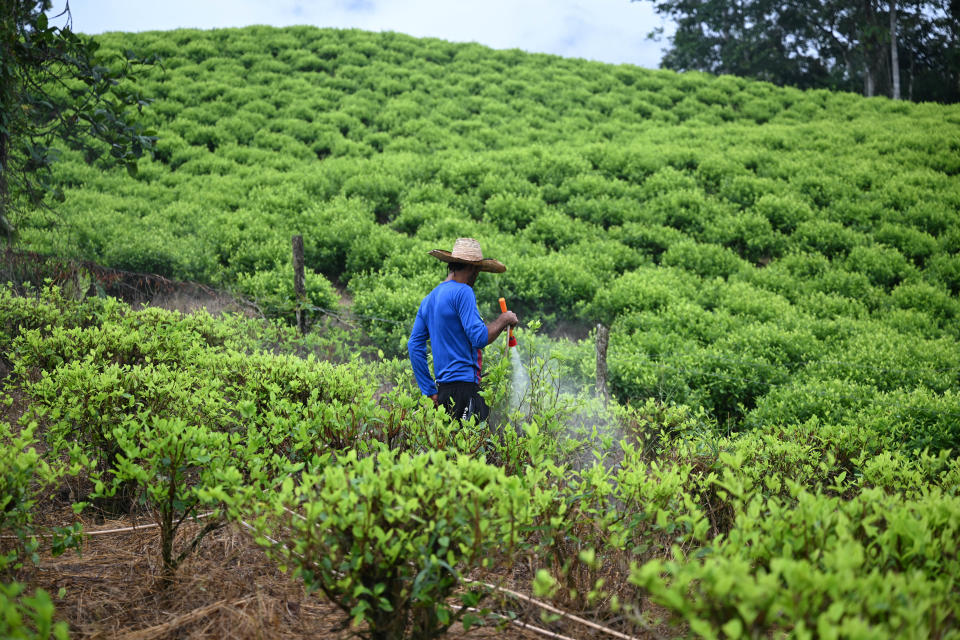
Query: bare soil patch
{"points": [[228, 589]]}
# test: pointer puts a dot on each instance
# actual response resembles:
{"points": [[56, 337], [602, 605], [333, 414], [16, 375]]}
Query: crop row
{"points": [[808, 527]]}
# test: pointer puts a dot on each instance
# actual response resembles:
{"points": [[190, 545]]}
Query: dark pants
{"points": [[462, 400]]}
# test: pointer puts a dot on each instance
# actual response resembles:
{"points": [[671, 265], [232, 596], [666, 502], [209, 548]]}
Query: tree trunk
{"points": [[868, 44], [8, 35], [6, 225], [894, 58], [910, 81]]}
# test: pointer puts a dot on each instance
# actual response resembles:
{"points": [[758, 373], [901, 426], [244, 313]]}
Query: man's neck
{"points": [[461, 276]]}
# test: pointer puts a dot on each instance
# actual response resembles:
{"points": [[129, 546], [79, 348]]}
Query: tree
{"points": [[853, 45], [929, 53], [761, 39], [55, 90]]}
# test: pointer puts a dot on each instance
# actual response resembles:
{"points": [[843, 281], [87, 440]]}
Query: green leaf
{"points": [[443, 615], [733, 628], [544, 584], [469, 620]]}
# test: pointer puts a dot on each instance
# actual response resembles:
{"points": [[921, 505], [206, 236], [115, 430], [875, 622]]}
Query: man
{"points": [[448, 317]]}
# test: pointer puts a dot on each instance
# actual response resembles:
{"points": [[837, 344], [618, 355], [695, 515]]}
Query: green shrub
{"points": [[705, 260], [603, 211], [853, 285], [750, 235], [169, 463], [387, 309], [930, 218], [650, 239], [273, 291], [685, 210], [43, 310], [744, 190], [335, 227], [28, 617], [761, 110], [916, 245], [24, 476], [511, 213], [945, 269], [241, 129], [90, 409], [832, 401], [918, 421], [388, 537], [647, 288], [381, 190], [886, 267], [926, 299], [867, 585], [549, 283], [555, 230], [785, 212], [832, 239]]}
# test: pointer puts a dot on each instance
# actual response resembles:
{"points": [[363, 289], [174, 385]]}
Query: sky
{"points": [[603, 30]]}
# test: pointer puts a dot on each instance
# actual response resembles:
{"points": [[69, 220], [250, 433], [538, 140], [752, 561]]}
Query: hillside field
{"points": [[779, 271]]}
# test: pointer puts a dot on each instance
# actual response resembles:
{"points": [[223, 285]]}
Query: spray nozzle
{"points": [[511, 341]]}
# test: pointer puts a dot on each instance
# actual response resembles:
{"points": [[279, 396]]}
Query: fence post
{"points": [[603, 338], [299, 287]]}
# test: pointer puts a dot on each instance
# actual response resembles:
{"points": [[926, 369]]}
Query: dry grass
{"points": [[228, 589]]}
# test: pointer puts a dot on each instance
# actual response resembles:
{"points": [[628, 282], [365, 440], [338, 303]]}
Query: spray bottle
{"points": [[511, 341]]}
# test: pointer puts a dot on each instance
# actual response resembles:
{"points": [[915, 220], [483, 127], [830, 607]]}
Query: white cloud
{"points": [[605, 30]]}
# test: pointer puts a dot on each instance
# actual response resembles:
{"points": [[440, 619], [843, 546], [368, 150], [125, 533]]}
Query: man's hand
{"points": [[504, 320], [436, 402]]}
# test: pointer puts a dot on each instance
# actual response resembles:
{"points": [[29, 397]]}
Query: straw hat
{"points": [[467, 250]]}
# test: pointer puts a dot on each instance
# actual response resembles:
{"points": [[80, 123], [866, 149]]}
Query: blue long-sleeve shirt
{"points": [[448, 317]]}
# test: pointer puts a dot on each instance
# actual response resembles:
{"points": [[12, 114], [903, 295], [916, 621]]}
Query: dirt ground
{"points": [[227, 589]]}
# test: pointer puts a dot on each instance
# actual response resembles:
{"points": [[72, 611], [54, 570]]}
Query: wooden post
{"points": [[299, 288], [603, 338]]}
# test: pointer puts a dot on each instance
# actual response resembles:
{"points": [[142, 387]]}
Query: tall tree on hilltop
{"points": [[854, 45], [894, 52], [930, 57], [762, 39], [851, 37], [55, 90]]}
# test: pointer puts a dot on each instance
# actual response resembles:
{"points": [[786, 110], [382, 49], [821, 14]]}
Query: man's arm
{"points": [[417, 350], [496, 326], [480, 334]]}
